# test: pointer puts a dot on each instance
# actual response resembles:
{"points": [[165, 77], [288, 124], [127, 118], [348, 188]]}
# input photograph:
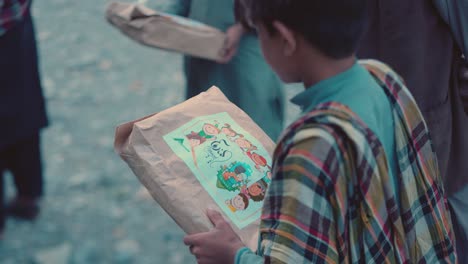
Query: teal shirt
{"points": [[358, 90], [218, 14]]}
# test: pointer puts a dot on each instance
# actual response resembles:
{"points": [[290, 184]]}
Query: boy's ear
{"points": [[288, 36]]}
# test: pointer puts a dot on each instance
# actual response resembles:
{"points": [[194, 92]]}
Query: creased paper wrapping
{"points": [[165, 31], [203, 153]]}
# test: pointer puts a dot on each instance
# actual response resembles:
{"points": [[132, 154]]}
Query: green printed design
{"points": [[181, 142], [232, 166], [235, 176]]}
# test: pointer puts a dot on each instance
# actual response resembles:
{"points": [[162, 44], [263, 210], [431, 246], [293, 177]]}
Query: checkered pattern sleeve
{"points": [[299, 222]]}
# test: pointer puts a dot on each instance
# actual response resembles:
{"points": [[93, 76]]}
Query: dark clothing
{"points": [[464, 86], [22, 108], [22, 112], [22, 159], [414, 40]]}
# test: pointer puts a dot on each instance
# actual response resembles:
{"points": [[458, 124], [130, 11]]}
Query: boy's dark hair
{"points": [[334, 27]]}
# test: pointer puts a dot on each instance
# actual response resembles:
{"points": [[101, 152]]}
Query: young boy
{"points": [[355, 179]]}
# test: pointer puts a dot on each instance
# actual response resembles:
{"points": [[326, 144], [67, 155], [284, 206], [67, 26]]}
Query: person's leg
{"points": [[200, 75], [10, 66], [26, 167], [25, 164], [258, 90]]}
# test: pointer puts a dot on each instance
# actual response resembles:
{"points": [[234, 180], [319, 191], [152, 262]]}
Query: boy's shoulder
{"points": [[381, 70], [329, 127]]}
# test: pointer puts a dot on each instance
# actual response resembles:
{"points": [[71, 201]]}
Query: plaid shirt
{"points": [[331, 199], [12, 11]]}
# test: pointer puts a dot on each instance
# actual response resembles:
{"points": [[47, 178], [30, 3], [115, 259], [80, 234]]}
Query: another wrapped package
{"points": [[166, 31], [203, 153]]}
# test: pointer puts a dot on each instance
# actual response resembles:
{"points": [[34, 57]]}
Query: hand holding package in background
{"points": [[165, 31], [203, 153]]}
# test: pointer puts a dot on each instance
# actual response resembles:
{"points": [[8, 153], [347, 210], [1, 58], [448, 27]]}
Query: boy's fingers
{"points": [[189, 240], [194, 239], [215, 217], [227, 56], [224, 56], [228, 44]]}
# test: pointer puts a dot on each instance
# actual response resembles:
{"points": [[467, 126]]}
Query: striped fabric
{"points": [[331, 199], [12, 11]]}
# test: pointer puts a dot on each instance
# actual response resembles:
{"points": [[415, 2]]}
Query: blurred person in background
{"points": [[242, 74], [416, 42], [22, 111]]}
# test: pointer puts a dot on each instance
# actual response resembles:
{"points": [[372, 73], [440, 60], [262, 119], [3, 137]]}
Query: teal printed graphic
{"points": [[233, 167], [235, 176]]}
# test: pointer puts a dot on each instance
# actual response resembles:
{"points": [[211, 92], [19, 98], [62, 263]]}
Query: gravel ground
{"points": [[95, 210]]}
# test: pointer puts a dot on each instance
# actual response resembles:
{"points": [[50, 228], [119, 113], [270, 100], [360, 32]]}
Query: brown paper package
{"points": [[159, 30], [168, 179]]}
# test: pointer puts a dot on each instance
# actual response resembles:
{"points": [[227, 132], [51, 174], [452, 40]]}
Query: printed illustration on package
{"points": [[233, 166]]}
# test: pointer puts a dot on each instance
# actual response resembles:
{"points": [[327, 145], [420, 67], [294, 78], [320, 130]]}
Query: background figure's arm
{"points": [[233, 37], [455, 14]]}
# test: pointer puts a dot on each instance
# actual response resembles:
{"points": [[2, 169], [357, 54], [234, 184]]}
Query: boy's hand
{"points": [[233, 37], [219, 245]]}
